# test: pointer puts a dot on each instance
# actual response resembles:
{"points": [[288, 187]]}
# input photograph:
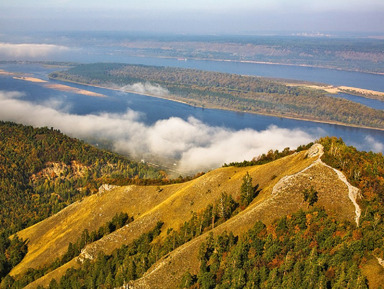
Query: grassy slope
{"points": [[174, 205], [374, 273], [332, 195]]}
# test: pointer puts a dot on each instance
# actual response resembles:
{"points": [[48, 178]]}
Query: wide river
{"points": [[154, 109], [321, 75]]}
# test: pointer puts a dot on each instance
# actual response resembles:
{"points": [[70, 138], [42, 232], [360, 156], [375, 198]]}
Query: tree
{"points": [[310, 196], [247, 191], [207, 280], [7, 282], [225, 206], [109, 280], [187, 280]]}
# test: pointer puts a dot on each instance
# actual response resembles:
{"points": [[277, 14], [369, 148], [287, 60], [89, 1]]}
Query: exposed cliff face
{"points": [[55, 170]]}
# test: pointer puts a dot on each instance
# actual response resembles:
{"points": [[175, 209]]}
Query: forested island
{"points": [[226, 91]]}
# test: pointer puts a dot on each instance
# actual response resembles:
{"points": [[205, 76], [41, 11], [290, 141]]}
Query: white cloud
{"points": [[146, 88], [225, 146], [374, 145], [27, 50], [195, 145]]}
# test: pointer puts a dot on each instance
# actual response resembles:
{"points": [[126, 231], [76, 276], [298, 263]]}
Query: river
{"points": [[154, 109], [313, 74]]}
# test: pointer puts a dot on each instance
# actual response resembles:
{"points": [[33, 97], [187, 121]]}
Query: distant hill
{"points": [[307, 49], [313, 219]]}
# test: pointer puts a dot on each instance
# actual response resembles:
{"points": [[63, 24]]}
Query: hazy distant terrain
{"points": [[364, 54], [349, 54]]}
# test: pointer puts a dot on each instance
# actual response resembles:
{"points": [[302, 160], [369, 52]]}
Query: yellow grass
{"points": [[173, 205], [374, 273], [54, 274], [266, 208]]}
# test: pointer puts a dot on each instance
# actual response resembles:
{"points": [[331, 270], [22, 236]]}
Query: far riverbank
{"points": [[178, 99]]}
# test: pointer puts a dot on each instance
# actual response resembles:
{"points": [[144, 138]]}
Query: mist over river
{"points": [[217, 133]]}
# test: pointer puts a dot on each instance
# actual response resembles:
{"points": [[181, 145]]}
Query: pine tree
{"points": [[310, 196], [246, 191], [109, 281], [186, 281]]}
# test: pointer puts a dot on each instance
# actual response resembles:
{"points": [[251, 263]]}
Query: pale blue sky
{"points": [[194, 16]]}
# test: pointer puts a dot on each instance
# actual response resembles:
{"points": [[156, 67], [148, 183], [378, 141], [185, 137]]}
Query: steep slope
{"points": [[42, 171], [36, 163], [174, 204], [280, 200]]}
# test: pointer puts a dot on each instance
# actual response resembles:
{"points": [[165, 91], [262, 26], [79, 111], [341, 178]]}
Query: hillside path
{"points": [[318, 150]]}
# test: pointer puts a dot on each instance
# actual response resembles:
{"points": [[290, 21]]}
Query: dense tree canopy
{"points": [[132, 260], [42, 171], [305, 249]]}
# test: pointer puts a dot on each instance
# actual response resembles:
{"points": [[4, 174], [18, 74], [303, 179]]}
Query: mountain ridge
{"points": [[268, 175]]}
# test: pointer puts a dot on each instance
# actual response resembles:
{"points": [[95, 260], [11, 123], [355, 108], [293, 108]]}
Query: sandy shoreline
{"points": [[30, 79], [55, 86], [364, 92], [372, 94], [7, 73], [71, 89]]}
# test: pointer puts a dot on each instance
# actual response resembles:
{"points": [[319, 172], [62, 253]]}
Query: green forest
{"points": [[308, 249], [131, 261], [42, 171], [227, 91]]}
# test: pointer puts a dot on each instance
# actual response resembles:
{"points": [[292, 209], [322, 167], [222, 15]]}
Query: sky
{"points": [[193, 16]]}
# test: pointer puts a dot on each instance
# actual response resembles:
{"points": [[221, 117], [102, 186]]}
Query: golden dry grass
{"points": [[333, 195], [174, 205], [374, 273]]}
